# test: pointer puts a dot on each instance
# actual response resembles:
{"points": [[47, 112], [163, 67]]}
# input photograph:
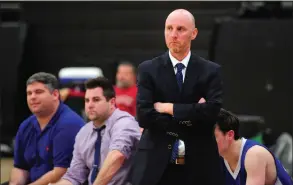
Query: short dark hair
{"points": [[227, 121], [47, 79], [104, 83]]}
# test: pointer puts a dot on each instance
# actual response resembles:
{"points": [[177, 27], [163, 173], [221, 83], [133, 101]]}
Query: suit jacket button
{"points": [[169, 146]]}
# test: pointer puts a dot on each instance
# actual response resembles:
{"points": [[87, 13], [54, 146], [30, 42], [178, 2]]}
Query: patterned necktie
{"points": [[97, 154], [179, 77], [179, 74]]}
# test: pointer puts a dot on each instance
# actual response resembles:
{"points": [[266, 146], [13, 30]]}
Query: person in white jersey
{"points": [[246, 162]]}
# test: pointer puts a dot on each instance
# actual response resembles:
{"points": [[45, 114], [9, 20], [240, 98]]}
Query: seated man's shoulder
{"points": [[257, 154], [257, 150], [69, 117], [124, 119], [86, 128], [120, 114], [84, 131], [27, 124], [67, 126]]}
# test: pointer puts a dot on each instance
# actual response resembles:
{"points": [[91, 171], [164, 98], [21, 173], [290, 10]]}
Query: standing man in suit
{"points": [[178, 146]]}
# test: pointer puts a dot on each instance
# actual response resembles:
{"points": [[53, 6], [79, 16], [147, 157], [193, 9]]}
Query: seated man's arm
{"points": [[255, 165], [51, 176], [20, 172], [78, 172], [124, 139], [111, 165], [18, 176], [62, 182], [198, 111], [147, 116], [63, 143]]}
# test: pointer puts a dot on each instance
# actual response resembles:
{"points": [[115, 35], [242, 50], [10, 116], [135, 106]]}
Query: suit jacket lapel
{"points": [[169, 76], [191, 74]]}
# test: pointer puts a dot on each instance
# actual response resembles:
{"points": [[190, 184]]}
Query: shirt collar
{"points": [[184, 61], [53, 120]]}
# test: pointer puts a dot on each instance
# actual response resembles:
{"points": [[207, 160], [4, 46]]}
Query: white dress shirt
{"points": [[185, 61]]}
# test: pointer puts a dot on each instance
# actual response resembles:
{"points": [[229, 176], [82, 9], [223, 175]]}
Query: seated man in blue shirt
{"points": [[44, 141]]}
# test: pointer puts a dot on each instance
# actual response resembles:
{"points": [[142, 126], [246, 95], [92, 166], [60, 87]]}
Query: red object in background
{"points": [[76, 93], [47, 148], [126, 99]]}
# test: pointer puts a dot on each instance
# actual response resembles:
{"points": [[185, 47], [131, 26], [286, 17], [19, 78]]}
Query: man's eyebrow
{"points": [[35, 90], [96, 97]]}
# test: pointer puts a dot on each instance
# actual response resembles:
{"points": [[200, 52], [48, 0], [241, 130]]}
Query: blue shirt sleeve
{"points": [[63, 144], [19, 160]]}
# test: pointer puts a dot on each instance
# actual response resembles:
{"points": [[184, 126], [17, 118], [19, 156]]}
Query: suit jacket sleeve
{"points": [[147, 116], [205, 112]]}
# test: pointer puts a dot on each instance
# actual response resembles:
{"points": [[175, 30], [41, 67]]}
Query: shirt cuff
{"points": [[67, 177], [62, 165], [21, 167]]}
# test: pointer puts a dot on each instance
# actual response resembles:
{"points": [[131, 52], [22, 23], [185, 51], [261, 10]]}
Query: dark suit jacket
{"points": [[192, 122]]}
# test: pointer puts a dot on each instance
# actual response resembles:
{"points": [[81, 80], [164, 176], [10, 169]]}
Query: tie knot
{"points": [[180, 66], [99, 129]]}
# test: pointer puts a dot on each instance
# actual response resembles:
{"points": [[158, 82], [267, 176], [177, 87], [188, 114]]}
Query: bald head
{"points": [[182, 14], [180, 30]]}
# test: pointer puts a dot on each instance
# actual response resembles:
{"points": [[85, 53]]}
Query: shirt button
{"points": [[169, 146]]}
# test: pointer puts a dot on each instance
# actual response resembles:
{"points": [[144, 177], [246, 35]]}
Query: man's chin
{"points": [[122, 85], [35, 111], [38, 113], [175, 50], [92, 118]]}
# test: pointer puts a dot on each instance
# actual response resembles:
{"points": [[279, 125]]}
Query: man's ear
{"points": [[230, 134], [194, 33], [63, 93], [113, 101], [56, 94]]}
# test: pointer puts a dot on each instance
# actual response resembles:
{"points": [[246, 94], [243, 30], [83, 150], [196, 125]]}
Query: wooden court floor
{"points": [[6, 166]]}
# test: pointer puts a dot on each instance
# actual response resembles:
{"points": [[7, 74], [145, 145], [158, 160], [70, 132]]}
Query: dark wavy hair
{"points": [[104, 83], [227, 121]]}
